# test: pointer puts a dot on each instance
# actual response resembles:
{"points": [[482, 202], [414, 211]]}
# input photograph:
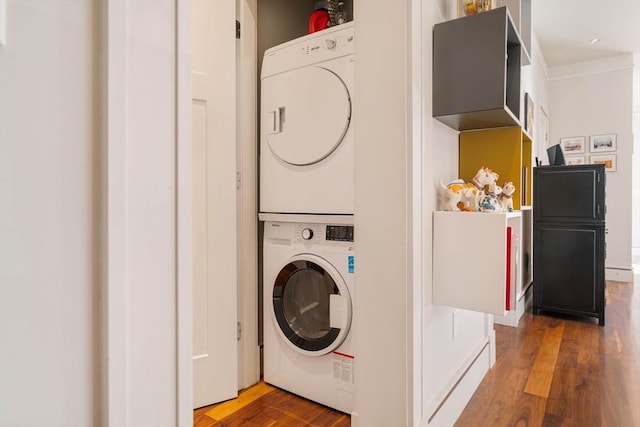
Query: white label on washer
{"points": [[343, 367]]}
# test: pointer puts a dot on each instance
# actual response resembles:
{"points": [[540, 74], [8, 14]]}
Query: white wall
{"points": [[63, 185], [49, 215], [593, 103], [534, 81], [382, 214], [443, 357], [404, 342]]}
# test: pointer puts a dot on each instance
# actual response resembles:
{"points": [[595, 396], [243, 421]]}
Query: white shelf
{"points": [[470, 260]]}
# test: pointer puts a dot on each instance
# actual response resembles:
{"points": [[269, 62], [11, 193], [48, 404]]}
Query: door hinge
{"points": [[239, 331], [237, 180], [237, 29]]}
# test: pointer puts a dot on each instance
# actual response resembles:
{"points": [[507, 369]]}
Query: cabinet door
{"points": [[569, 269], [569, 193], [470, 260]]}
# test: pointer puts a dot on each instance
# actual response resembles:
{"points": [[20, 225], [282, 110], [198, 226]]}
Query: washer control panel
{"points": [[321, 232]]}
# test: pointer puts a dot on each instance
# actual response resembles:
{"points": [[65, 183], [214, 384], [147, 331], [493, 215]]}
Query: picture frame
{"points": [[528, 114], [608, 160], [602, 143], [573, 145], [576, 160]]}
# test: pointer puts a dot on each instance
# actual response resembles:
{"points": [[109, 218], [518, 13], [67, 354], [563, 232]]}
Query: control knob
{"points": [[307, 233], [331, 43]]}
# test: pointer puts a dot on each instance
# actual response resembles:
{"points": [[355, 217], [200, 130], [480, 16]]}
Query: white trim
{"points": [[462, 391], [456, 379], [3, 22], [117, 409], [416, 295], [307, 218], [587, 68], [248, 349], [618, 274], [184, 218]]}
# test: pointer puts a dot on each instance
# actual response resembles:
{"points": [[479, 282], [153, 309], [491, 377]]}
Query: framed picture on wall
{"points": [[602, 143], [528, 114], [573, 145], [576, 160], [608, 160]]}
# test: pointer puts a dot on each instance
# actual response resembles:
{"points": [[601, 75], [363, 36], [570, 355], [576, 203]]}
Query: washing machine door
{"points": [[306, 113], [311, 305]]}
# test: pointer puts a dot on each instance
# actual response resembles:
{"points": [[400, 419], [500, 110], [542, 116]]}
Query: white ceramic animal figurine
{"points": [[506, 199], [461, 196], [490, 202]]}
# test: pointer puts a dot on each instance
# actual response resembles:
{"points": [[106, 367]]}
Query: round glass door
{"points": [[311, 305]]}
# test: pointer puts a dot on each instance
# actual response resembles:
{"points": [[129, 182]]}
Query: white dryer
{"points": [[308, 303], [306, 136]]}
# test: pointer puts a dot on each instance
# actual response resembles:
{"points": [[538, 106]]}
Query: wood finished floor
{"points": [[565, 372], [263, 406], [549, 371]]}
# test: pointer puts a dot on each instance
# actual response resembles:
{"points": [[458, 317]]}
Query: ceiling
{"points": [[564, 29]]}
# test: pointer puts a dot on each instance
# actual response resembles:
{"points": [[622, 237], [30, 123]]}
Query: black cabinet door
{"points": [[569, 193], [569, 269]]}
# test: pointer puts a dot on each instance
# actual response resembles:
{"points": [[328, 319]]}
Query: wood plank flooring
{"points": [[562, 371], [550, 371], [264, 406]]}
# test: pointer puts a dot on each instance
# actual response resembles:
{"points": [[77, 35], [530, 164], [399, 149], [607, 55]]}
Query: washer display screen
{"points": [[341, 233]]}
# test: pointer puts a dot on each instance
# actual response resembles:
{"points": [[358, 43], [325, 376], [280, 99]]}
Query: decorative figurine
{"points": [[506, 199], [490, 202], [461, 196]]}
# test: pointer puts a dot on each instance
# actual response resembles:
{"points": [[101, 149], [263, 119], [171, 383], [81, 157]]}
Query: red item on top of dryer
{"points": [[319, 20]]}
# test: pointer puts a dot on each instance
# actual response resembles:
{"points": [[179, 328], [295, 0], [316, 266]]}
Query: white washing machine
{"points": [[306, 136], [308, 302]]}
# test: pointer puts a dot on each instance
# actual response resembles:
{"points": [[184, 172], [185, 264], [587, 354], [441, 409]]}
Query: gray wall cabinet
{"points": [[476, 71]]}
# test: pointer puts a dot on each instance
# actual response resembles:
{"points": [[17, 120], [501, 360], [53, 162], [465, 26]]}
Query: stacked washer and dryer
{"points": [[307, 203]]}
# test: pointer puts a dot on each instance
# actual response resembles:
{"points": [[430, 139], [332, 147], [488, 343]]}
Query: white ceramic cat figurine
{"points": [[461, 196], [506, 199]]}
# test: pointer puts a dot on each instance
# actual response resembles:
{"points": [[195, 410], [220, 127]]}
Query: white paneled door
{"points": [[215, 360]]}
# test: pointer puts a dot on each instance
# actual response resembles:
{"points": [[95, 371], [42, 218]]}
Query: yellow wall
{"points": [[503, 150]]}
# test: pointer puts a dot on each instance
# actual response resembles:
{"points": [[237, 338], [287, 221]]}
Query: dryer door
{"points": [[305, 114], [311, 305]]}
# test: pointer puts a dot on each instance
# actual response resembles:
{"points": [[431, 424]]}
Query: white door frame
{"points": [[127, 312], [248, 350], [184, 222], [118, 398]]}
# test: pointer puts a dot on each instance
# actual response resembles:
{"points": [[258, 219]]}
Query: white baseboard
{"points": [[455, 402], [618, 274]]}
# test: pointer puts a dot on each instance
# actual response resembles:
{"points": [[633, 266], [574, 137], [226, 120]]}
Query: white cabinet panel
{"points": [[470, 260]]}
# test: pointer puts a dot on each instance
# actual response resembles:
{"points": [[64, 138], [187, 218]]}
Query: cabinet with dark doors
{"points": [[569, 240]]}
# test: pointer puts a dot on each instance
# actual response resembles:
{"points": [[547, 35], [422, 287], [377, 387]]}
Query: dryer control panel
{"points": [[326, 45]]}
